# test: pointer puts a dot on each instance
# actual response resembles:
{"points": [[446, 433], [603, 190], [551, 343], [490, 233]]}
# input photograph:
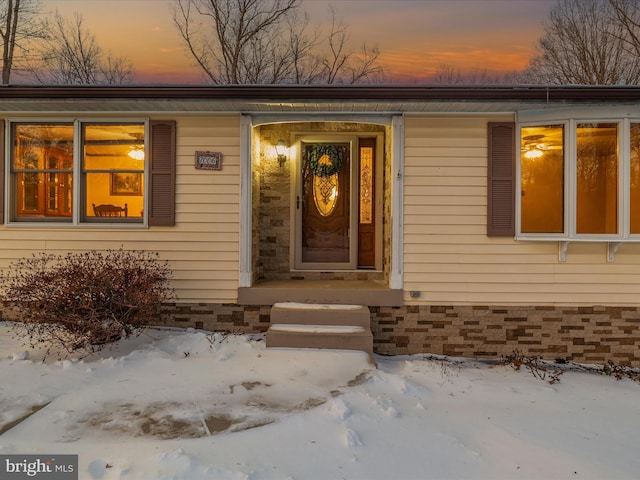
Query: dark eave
{"points": [[351, 93], [302, 100]]}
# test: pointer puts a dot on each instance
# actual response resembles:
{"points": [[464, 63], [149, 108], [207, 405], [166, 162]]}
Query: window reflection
{"points": [[597, 178]]}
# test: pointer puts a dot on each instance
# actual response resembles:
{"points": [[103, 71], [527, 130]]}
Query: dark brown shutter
{"points": [[162, 168], [501, 221], [2, 170]]}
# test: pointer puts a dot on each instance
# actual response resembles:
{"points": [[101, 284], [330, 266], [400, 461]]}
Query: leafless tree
{"points": [[341, 65], [306, 67], [20, 23], [583, 43], [451, 75], [266, 42], [70, 55], [448, 75]]}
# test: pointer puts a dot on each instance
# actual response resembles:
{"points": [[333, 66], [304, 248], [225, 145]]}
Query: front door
{"points": [[337, 203], [325, 204]]}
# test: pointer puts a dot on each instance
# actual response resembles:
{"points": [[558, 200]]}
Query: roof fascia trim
{"points": [[264, 119], [579, 112]]}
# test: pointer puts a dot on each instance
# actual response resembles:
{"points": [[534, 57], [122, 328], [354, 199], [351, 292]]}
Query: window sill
{"points": [[66, 225]]}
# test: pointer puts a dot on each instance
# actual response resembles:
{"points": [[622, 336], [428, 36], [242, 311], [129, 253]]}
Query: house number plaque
{"points": [[208, 160]]}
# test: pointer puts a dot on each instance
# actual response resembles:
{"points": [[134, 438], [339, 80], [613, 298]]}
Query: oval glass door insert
{"points": [[325, 190]]}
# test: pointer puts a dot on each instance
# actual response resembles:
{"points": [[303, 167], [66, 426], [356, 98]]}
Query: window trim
{"points": [[78, 218], [623, 119]]}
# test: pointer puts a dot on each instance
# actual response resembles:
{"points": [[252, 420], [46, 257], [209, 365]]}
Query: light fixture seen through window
{"points": [[137, 153], [533, 153]]}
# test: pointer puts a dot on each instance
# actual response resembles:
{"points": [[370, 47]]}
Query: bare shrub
{"points": [[85, 300], [620, 371], [535, 365]]}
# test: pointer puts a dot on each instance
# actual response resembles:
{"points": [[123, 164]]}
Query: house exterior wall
{"points": [[479, 296], [466, 293], [450, 260], [202, 248], [205, 249]]}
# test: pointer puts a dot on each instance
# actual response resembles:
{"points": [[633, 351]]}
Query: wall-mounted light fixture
{"points": [[281, 150]]}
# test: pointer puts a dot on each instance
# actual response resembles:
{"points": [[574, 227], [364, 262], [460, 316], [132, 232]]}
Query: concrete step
{"points": [[320, 336], [320, 314], [357, 292], [324, 326]]}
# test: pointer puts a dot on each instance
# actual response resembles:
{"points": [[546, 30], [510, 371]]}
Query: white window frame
{"points": [[570, 118], [78, 177], [566, 194]]}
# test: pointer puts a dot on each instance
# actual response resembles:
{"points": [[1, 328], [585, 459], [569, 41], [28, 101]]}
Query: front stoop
{"points": [[342, 327]]}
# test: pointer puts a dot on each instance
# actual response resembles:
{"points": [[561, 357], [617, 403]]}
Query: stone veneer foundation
{"points": [[581, 334]]}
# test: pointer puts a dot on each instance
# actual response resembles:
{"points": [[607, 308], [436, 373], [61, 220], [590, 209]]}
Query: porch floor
{"points": [[345, 292]]}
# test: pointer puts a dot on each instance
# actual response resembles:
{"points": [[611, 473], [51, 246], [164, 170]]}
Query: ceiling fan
{"points": [[534, 146]]}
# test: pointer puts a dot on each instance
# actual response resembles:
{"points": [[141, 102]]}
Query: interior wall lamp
{"points": [[281, 150]]}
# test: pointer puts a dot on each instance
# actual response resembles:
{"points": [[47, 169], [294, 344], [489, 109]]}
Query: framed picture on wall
{"points": [[126, 184]]}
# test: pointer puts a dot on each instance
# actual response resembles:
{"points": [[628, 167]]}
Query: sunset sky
{"points": [[415, 37]]}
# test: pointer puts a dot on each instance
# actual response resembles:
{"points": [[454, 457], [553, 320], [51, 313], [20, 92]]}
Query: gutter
{"points": [[533, 93]]}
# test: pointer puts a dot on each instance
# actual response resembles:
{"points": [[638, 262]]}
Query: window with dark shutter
{"points": [[162, 170], [501, 180]]}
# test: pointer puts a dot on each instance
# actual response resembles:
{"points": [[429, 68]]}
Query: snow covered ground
{"points": [[194, 405]]}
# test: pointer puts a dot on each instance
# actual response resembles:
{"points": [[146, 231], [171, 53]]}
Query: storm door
{"points": [[325, 206]]}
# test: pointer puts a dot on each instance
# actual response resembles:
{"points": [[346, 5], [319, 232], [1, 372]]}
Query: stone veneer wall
{"points": [[228, 318], [580, 334]]}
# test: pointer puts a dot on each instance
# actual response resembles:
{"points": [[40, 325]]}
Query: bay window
{"points": [[579, 180]]}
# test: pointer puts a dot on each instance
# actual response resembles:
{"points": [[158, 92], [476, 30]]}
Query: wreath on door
{"points": [[333, 153]]}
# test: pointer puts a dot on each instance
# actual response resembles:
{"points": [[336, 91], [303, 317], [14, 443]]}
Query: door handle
{"points": [[298, 202]]}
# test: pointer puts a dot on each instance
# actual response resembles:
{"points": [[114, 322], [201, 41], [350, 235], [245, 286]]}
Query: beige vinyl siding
{"points": [[202, 247], [448, 256]]}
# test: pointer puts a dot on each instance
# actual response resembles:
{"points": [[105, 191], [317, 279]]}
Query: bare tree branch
{"points": [[584, 43], [186, 23], [71, 56], [222, 35], [258, 41], [20, 23], [628, 14], [337, 58]]}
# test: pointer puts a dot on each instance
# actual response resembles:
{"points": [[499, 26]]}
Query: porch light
{"points": [[281, 150]]}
